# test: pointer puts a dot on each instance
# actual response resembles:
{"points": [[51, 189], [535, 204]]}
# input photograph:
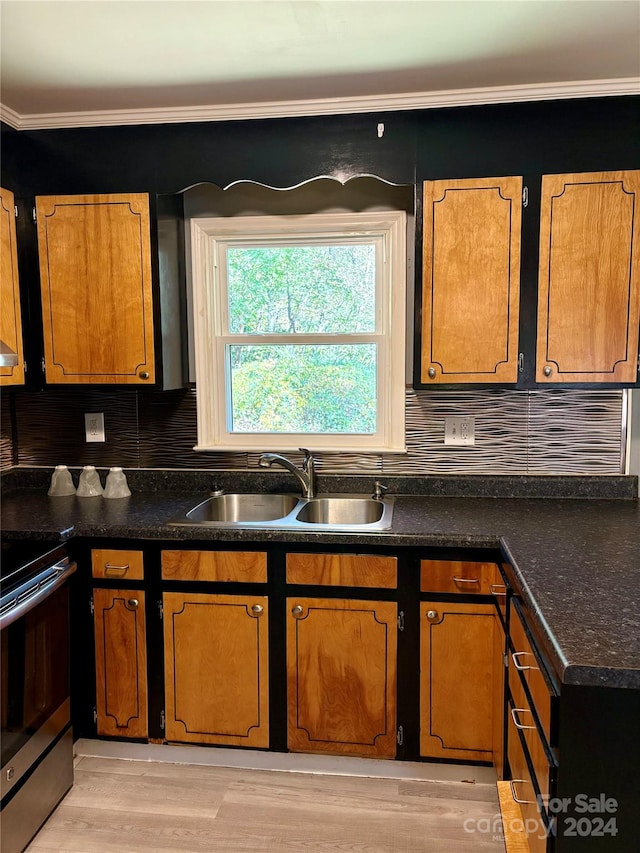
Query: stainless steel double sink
{"points": [[355, 513]]}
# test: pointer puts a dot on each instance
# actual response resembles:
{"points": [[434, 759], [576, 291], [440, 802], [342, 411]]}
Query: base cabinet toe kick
{"points": [[399, 654]]}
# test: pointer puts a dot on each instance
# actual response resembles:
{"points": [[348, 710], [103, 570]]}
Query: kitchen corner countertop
{"points": [[576, 562]]}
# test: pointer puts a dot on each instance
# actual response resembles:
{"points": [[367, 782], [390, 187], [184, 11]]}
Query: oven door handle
{"points": [[40, 593]]}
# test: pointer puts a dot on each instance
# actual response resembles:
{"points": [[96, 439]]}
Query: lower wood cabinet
{"points": [[498, 706], [457, 670], [216, 664], [121, 662], [341, 676]]}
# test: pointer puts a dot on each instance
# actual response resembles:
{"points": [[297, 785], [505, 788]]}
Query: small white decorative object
{"points": [[89, 485], [116, 485], [61, 482]]}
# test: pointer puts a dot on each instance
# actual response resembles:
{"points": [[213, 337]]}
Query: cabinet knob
{"points": [[432, 614], [432, 373], [547, 370], [132, 603], [144, 374], [296, 611], [257, 609]]}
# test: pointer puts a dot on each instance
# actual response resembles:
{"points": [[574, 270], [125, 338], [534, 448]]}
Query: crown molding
{"points": [[326, 106]]}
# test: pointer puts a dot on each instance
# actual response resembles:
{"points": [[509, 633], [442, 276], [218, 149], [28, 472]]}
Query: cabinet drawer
{"points": [[116, 564], [524, 793], [527, 663], [523, 719], [343, 570], [460, 577], [239, 566]]}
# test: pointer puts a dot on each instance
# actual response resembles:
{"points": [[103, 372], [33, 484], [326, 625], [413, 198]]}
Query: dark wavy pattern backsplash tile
{"points": [[517, 432]]}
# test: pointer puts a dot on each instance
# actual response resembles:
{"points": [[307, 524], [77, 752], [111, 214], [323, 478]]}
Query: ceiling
{"points": [[67, 63]]}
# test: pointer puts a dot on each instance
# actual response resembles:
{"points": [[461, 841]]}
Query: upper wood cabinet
{"points": [[95, 273], [471, 280], [589, 278], [10, 317]]}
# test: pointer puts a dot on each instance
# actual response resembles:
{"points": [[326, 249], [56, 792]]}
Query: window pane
{"points": [[311, 389], [301, 289]]}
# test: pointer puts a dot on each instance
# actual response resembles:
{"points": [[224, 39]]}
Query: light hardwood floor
{"points": [[120, 806]]}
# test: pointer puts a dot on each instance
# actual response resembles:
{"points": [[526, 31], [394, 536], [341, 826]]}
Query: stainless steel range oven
{"points": [[37, 744]]}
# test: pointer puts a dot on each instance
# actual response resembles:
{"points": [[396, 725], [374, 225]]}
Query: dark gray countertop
{"points": [[576, 562]]}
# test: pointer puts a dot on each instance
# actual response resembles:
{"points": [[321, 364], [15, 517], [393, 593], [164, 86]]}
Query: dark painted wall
{"points": [[528, 139], [503, 139]]}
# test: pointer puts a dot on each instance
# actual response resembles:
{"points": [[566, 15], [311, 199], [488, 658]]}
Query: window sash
{"points": [[219, 252], [212, 338]]}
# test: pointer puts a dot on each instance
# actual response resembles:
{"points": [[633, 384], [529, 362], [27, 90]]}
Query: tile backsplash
{"points": [[516, 432]]}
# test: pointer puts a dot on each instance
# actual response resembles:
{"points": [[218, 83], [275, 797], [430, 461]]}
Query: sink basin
{"points": [[339, 511], [236, 508], [328, 513]]}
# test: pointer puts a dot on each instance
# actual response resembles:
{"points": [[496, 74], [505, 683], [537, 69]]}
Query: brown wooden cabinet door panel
{"points": [[95, 272], [341, 676], [121, 662], [10, 315], [589, 281], [240, 566], [471, 280], [457, 669], [216, 669], [343, 570], [498, 710]]}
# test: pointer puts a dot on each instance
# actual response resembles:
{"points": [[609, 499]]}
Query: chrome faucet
{"points": [[306, 475]]}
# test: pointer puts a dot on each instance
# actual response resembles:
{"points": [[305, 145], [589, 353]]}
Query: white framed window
{"points": [[299, 331]]}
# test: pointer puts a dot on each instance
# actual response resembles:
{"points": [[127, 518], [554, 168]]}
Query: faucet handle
{"points": [[307, 456]]}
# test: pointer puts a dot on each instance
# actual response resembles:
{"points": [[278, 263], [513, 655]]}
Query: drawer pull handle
{"points": [[110, 569], [497, 589], [465, 580], [516, 722], [520, 667], [512, 785]]}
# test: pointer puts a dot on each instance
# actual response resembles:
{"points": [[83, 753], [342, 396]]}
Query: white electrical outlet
{"points": [[94, 426], [461, 431]]}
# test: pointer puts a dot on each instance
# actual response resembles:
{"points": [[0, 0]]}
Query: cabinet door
{"points": [[121, 662], [216, 662], [457, 665], [589, 279], [498, 709], [471, 280], [341, 676], [10, 317], [95, 272]]}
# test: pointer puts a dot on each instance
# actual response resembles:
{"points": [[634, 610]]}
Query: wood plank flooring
{"points": [[120, 806]]}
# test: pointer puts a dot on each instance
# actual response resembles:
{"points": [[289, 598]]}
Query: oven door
{"points": [[35, 710]]}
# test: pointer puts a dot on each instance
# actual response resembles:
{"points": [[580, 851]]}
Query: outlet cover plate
{"points": [[94, 426], [460, 431]]}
